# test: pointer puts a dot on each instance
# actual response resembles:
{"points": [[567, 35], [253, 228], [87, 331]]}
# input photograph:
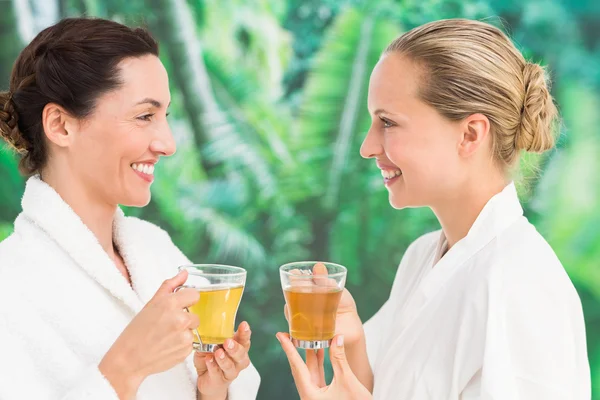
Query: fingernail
{"points": [[230, 345], [222, 355], [340, 340], [211, 360], [277, 336], [246, 327]]}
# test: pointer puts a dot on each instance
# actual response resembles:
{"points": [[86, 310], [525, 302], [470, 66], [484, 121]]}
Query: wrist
{"points": [[214, 396], [124, 380]]}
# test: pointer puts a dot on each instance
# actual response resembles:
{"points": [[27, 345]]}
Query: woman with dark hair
{"points": [[87, 302]]}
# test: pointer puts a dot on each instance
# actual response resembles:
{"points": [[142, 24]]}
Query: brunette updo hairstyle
{"points": [[69, 64]]}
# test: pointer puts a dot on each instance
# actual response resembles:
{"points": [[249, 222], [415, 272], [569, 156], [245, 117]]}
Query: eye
{"points": [[386, 122], [145, 117]]}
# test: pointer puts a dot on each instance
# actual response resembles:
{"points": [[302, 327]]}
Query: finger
{"points": [[314, 363], [297, 278], [171, 284], [194, 321], [226, 364], [186, 297], [321, 269], [337, 355], [321, 363], [243, 335], [237, 352], [214, 372], [201, 361], [299, 370]]}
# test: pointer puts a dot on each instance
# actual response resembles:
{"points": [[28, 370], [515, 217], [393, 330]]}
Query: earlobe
{"points": [[54, 121], [475, 130]]}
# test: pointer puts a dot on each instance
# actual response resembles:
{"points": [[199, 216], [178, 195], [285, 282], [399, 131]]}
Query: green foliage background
{"points": [[269, 110]]}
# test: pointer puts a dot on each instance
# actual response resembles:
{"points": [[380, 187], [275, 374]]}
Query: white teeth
{"points": [[143, 168], [389, 174]]}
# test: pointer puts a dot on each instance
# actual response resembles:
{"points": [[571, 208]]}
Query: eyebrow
{"points": [[153, 102]]}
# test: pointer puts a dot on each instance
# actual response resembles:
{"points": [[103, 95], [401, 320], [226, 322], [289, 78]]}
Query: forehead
{"points": [[144, 76], [394, 82], [141, 78]]}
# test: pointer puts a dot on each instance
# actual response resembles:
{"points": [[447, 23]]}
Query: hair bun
{"points": [[9, 127], [536, 133]]}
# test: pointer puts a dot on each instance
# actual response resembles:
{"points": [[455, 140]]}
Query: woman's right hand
{"points": [[158, 338]]}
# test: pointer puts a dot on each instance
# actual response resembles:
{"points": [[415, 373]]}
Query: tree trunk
{"points": [[176, 30], [10, 42]]}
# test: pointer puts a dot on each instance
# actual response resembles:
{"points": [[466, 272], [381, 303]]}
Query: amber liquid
{"points": [[312, 312], [216, 310]]}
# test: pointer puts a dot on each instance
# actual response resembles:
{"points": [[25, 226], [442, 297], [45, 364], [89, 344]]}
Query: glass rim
{"points": [[334, 275], [240, 271]]}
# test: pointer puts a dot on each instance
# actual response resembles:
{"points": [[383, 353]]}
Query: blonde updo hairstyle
{"points": [[473, 67]]}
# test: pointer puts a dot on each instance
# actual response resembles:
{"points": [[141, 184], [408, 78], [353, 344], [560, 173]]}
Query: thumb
{"points": [[337, 355], [171, 284]]}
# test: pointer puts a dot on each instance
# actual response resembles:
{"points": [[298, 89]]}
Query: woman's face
{"points": [[414, 146], [115, 150]]}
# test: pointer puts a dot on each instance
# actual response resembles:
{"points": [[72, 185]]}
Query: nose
{"points": [[371, 146], [163, 143]]}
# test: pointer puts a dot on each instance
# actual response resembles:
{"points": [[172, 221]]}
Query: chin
{"points": [[400, 199], [136, 201], [398, 204]]}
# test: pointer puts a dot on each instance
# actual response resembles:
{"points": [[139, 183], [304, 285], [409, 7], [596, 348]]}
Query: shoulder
{"points": [[531, 275], [523, 254]]}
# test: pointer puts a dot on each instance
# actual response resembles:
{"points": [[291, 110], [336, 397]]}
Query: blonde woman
{"points": [[482, 309], [87, 303]]}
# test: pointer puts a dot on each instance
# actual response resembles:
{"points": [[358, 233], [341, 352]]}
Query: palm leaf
{"points": [[569, 193]]}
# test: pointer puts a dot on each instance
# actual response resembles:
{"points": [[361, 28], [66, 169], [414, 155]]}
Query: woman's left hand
{"points": [[310, 378], [217, 371]]}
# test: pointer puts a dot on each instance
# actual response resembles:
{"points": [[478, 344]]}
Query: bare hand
{"points": [[217, 371], [310, 378], [157, 339]]}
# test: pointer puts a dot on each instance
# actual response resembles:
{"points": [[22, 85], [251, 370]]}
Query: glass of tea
{"points": [[312, 293], [220, 288]]}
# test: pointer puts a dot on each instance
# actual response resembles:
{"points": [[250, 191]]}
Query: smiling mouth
{"points": [[147, 169], [389, 174]]}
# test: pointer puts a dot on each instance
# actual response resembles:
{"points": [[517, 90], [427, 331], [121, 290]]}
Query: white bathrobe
{"points": [[495, 318], [63, 303]]}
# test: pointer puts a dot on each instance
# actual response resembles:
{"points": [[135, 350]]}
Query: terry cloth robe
{"points": [[495, 318], [63, 303]]}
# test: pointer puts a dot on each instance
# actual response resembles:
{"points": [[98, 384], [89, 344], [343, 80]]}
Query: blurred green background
{"points": [[269, 110]]}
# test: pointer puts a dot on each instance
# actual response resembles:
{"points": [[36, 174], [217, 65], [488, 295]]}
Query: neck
{"points": [[94, 213], [458, 212]]}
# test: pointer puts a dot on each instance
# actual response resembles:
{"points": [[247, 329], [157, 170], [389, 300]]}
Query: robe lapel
{"points": [[143, 265], [43, 206], [498, 214]]}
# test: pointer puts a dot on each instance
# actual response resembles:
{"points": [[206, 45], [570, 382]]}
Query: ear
{"points": [[474, 131], [55, 121]]}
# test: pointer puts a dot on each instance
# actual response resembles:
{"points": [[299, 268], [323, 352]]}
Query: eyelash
{"points": [[147, 117], [386, 122]]}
